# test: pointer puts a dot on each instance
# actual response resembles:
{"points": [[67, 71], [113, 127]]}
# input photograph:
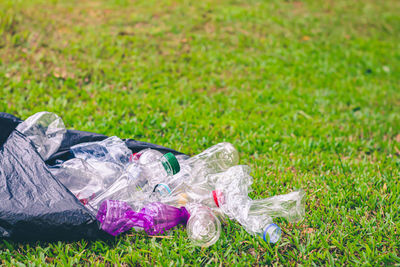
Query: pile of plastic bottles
{"points": [[155, 192]]}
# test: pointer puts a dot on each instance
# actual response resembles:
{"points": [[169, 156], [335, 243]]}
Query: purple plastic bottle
{"points": [[117, 217]]}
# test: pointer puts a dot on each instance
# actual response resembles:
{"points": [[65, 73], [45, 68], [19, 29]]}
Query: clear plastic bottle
{"points": [[185, 194], [111, 149], [269, 232], [86, 179], [177, 185], [242, 208], [181, 158], [134, 186], [146, 156], [233, 186], [46, 130], [236, 179], [290, 206], [255, 215], [194, 170], [251, 217], [216, 158], [203, 227], [126, 188], [160, 170]]}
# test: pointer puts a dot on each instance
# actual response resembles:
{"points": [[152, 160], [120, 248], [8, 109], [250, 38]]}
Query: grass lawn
{"points": [[308, 92]]}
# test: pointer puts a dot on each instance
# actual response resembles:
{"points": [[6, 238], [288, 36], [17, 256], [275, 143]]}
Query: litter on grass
{"points": [[146, 188]]}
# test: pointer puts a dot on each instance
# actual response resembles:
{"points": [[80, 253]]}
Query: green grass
{"points": [[307, 91]]}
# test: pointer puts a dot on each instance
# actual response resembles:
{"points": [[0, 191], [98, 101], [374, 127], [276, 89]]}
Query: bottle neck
{"points": [[170, 164], [272, 233], [167, 166], [162, 189]]}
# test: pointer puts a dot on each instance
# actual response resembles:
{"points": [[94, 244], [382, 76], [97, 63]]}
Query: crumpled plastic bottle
{"points": [[111, 149], [194, 170], [137, 181], [146, 156], [203, 227], [46, 131], [116, 217], [185, 194], [234, 180], [254, 215], [234, 201], [216, 158], [86, 179]]}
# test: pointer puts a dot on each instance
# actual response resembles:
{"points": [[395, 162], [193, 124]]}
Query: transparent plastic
{"points": [[181, 158], [46, 131], [216, 158], [254, 215], [159, 170], [194, 170], [185, 194], [126, 188], [203, 227], [108, 171], [272, 233], [86, 179], [146, 156], [111, 149], [290, 206], [136, 183], [233, 187]]}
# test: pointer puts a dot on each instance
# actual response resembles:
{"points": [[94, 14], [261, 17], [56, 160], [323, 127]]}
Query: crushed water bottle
{"points": [[203, 227], [215, 159], [111, 149], [290, 206], [254, 215], [240, 207], [137, 181], [146, 156], [116, 217], [46, 131], [160, 169], [126, 188], [86, 179], [185, 194]]}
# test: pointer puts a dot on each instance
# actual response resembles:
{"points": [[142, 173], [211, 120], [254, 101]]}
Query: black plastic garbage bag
{"points": [[33, 204]]}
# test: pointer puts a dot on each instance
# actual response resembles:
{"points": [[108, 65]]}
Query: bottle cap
{"points": [[163, 189], [134, 156], [216, 194], [170, 163], [274, 233]]}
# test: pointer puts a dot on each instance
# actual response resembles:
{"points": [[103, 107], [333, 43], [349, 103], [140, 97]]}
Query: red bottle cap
{"points": [[134, 156], [216, 194]]}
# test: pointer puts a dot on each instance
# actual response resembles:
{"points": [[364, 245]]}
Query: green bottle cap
{"points": [[170, 163]]}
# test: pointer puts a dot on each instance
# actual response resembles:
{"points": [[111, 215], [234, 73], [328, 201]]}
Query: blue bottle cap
{"points": [[161, 188], [274, 232]]}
